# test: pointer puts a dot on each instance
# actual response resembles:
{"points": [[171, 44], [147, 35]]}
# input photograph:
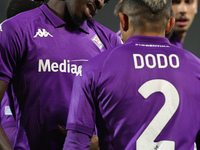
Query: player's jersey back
{"points": [[148, 96]]}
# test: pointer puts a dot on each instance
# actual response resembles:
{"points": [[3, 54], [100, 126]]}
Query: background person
{"points": [[184, 13]]}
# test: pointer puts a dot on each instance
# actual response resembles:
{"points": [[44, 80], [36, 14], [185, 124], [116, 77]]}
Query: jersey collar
{"points": [[148, 39], [57, 22]]}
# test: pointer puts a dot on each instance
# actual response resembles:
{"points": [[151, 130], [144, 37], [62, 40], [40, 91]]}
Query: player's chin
{"points": [[78, 20], [181, 29]]}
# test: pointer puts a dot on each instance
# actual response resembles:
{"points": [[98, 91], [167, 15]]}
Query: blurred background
{"points": [[107, 18]]}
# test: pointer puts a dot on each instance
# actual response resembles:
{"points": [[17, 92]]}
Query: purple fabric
{"points": [[76, 141], [143, 94], [119, 33], [42, 58], [11, 133], [10, 114], [173, 39], [21, 142], [8, 121], [7, 118]]}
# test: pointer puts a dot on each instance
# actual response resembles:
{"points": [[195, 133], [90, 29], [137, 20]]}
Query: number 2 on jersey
{"points": [[146, 139]]}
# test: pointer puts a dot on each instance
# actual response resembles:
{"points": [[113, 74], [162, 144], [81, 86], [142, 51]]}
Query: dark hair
{"points": [[17, 6], [118, 8], [152, 15]]}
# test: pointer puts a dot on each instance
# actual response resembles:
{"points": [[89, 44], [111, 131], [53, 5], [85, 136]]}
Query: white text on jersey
{"points": [[66, 66], [42, 33], [158, 60]]}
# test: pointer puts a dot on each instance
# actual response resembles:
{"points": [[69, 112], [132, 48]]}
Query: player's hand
{"points": [[62, 130], [94, 143]]}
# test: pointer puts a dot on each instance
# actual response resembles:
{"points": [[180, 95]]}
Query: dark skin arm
{"points": [[4, 142]]}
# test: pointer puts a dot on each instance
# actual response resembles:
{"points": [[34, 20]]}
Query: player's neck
{"points": [[129, 34], [181, 36], [58, 8], [150, 34]]}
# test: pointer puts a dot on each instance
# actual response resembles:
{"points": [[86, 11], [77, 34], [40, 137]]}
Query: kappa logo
{"points": [[97, 41], [42, 33]]}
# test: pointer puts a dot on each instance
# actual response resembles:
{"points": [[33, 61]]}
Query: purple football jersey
{"points": [[42, 57], [173, 39], [141, 95]]}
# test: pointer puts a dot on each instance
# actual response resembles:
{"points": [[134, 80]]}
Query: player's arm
{"points": [[198, 141], [94, 143], [82, 114], [76, 140], [10, 43], [4, 142], [3, 86]]}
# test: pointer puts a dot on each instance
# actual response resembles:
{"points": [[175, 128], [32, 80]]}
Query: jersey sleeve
{"points": [[11, 39], [76, 140], [82, 115]]}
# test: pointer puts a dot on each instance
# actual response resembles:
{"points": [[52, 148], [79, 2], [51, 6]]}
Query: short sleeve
{"points": [[11, 40], [82, 114]]}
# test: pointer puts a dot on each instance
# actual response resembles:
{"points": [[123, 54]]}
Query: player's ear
{"points": [[124, 21], [170, 25]]}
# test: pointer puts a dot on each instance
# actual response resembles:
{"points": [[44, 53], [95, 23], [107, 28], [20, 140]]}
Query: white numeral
{"points": [[146, 139]]}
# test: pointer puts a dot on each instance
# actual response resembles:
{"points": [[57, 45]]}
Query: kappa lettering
{"points": [[66, 66], [42, 33], [159, 60]]}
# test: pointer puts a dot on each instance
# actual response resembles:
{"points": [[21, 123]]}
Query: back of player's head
{"points": [[148, 14], [118, 8]]}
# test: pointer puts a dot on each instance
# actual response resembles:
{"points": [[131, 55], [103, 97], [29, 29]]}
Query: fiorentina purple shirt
{"points": [[173, 39], [141, 95], [42, 57]]}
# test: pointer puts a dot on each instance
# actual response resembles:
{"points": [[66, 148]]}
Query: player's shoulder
{"points": [[21, 21], [186, 56], [184, 53], [98, 62]]}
